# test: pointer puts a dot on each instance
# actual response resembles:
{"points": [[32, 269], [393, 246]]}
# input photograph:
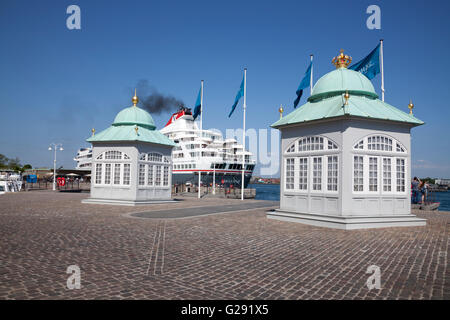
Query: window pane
{"points": [[150, 175], [317, 173], [387, 175], [126, 174], [303, 174], [98, 173], [117, 173], [400, 175], [290, 173], [332, 181], [166, 176], [373, 174], [107, 173], [358, 174], [141, 179], [158, 176]]}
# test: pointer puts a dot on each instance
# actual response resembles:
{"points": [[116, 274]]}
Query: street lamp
{"points": [[55, 147]]}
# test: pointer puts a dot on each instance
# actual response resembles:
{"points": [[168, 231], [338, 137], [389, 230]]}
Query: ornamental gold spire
{"points": [[93, 131], [135, 99], [410, 107], [346, 97], [342, 60], [280, 110]]}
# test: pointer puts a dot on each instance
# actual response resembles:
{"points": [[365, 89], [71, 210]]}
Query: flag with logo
{"points": [[370, 65]]}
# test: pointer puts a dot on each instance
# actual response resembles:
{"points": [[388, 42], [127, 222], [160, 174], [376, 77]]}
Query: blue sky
{"points": [[56, 84]]}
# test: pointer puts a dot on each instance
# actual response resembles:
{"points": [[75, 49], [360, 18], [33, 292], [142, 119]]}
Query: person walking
{"points": [[415, 190], [424, 191]]}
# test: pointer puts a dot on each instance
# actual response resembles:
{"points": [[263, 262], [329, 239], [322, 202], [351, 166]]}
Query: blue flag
{"points": [[306, 82], [370, 65], [238, 96], [198, 104]]}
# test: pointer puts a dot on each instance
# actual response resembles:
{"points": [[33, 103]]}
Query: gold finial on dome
{"points": [[346, 97], [342, 60], [135, 99], [280, 110], [410, 106], [93, 131], [136, 128]]}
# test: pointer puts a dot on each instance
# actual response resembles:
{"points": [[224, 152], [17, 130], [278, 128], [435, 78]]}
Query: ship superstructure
{"points": [[84, 159], [205, 151]]}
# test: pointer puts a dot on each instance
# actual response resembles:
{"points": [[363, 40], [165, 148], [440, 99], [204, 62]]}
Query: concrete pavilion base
{"points": [[348, 222], [126, 202]]}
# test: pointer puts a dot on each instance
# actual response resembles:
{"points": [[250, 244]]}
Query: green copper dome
{"points": [[134, 116], [341, 80]]}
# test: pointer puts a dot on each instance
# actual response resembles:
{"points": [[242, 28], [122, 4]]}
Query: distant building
{"points": [[442, 182], [131, 161], [346, 157]]}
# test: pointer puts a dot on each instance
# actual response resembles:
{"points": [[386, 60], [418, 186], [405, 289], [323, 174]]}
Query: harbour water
{"points": [[272, 192]]}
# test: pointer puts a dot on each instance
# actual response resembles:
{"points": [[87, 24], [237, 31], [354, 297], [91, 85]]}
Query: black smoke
{"points": [[153, 101]]}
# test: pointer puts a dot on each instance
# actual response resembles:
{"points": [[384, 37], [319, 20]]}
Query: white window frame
{"points": [[353, 174], [293, 174], [327, 173], [321, 176]]}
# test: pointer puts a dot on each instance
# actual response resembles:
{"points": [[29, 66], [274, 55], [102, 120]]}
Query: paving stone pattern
{"points": [[234, 255]]}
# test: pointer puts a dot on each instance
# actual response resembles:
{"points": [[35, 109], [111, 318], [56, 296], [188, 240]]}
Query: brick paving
{"points": [[237, 255]]}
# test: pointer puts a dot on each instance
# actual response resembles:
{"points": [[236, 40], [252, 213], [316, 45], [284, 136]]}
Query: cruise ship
{"points": [[84, 159], [197, 150], [205, 152]]}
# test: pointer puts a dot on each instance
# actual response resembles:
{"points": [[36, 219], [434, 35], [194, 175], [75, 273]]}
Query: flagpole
{"points": [[311, 81], [382, 70], [201, 110], [243, 134], [201, 135]]}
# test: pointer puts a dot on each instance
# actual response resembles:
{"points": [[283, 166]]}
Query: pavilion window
{"points": [[387, 175], [158, 176], [400, 175], [107, 173], [332, 145], [126, 174], [358, 173], [98, 173], [373, 174], [117, 173], [332, 181], [290, 173], [303, 174], [317, 173], [399, 148], [150, 175], [141, 179], [166, 176]]}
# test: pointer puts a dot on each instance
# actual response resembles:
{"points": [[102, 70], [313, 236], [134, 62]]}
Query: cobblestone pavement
{"points": [[238, 255]]}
